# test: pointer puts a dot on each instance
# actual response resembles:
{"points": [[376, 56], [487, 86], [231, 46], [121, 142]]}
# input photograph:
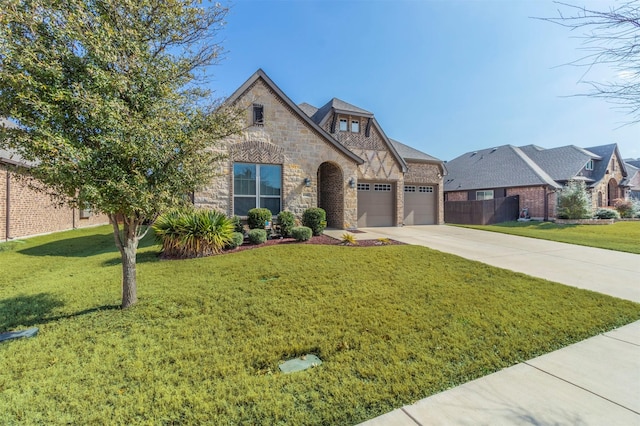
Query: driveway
{"points": [[605, 271], [593, 382]]}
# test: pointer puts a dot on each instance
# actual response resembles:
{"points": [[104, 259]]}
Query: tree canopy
{"points": [[109, 104]]}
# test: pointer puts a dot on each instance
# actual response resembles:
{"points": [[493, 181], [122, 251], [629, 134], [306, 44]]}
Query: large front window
{"points": [[256, 185]]}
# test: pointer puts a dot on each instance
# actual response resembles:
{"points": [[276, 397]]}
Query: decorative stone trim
{"points": [[585, 221], [257, 152]]}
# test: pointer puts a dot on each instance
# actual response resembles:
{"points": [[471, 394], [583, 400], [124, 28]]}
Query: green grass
{"points": [[392, 325], [621, 236]]}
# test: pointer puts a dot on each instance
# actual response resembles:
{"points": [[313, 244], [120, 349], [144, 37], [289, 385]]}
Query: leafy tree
{"points": [[611, 39], [574, 202], [106, 97]]}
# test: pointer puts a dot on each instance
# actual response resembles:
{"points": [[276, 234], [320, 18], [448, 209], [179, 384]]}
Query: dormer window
{"points": [[343, 125], [355, 126], [589, 165], [258, 115]]}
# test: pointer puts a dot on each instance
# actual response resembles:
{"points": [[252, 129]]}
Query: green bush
{"points": [[257, 236], [606, 214], [626, 208], [287, 221], [574, 201], [256, 218], [237, 224], [301, 233], [236, 240], [186, 233], [316, 219]]}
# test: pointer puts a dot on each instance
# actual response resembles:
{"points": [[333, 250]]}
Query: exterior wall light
{"points": [[352, 183], [307, 181]]}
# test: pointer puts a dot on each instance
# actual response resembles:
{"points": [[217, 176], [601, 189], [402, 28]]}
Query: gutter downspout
{"points": [[8, 208]]}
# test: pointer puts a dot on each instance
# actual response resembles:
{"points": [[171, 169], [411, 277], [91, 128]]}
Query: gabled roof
{"points": [[9, 156], [307, 108], [261, 75], [633, 162], [409, 153], [499, 167], [605, 152], [562, 163]]}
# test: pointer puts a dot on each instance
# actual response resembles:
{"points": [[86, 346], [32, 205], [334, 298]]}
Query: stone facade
{"points": [[607, 189], [285, 139], [32, 213]]}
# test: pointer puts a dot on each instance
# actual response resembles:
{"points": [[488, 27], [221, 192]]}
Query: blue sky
{"points": [[445, 77]]}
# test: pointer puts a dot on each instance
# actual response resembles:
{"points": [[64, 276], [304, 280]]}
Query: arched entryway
{"points": [[331, 193], [612, 191]]}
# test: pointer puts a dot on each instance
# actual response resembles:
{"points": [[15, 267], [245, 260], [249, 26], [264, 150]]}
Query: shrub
{"points": [[626, 208], [574, 201], [256, 218], [287, 221], [316, 219], [301, 233], [606, 214], [186, 233], [257, 236], [237, 224], [383, 241], [236, 240], [349, 239]]}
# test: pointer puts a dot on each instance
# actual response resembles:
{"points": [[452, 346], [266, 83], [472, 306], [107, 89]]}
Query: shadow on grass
{"points": [[27, 311], [148, 256], [86, 246], [542, 226]]}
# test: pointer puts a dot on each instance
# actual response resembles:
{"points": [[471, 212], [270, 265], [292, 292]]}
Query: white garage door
{"points": [[419, 205], [376, 204]]}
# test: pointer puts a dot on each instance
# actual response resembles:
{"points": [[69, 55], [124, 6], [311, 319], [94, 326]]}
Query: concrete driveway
{"points": [[594, 382]]}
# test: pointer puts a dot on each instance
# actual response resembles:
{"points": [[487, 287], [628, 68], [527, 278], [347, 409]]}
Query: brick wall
{"points": [[32, 213], [533, 198], [458, 196]]}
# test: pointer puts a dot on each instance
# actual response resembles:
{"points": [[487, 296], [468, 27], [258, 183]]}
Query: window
{"points": [[430, 189], [589, 165], [382, 187], [484, 195], [256, 185], [343, 125], [258, 115], [355, 126], [363, 187], [409, 189]]}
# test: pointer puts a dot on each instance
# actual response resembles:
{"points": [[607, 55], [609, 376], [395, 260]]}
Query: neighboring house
{"points": [[633, 177], [25, 212], [337, 157], [535, 174]]}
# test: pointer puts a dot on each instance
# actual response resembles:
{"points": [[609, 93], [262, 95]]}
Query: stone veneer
{"points": [[599, 191], [33, 213], [284, 139]]}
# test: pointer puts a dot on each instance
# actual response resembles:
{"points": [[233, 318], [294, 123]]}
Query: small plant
{"points": [[258, 218], [257, 236], [348, 239], [186, 233], [316, 219], [237, 224], [606, 214], [236, 240], [626, 208], [286, 221], [574, 201], [301, 233], [383, 241]]}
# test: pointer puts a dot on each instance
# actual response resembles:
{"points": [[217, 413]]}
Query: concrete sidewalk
{"points": [[594, 382]]}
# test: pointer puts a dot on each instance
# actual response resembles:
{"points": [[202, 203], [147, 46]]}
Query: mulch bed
{"points": [[320, 239]]}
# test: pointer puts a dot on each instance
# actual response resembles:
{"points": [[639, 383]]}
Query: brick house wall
{"points": [[32, 213], [284, 139]]}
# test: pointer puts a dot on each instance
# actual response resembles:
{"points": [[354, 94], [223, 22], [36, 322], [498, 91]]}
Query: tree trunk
{"points": [[127, 243]]}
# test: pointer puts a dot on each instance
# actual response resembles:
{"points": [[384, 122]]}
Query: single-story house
{"points": [[291, 157], [535, 174], [25, 212]]}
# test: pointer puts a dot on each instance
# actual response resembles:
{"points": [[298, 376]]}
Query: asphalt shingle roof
{"points": [[308, 109], [600, 167], [409, 153], [340, 106], [562, 163], [500, 167]]}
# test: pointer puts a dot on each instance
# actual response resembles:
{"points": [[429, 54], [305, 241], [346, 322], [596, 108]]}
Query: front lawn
{"points": [[621, 236], [391, 324]]}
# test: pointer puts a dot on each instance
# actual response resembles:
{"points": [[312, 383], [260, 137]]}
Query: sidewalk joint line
{"points": [[619, 340], [583, 388], [411, 417]]}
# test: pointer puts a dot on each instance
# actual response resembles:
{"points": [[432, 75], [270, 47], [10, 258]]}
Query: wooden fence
{"points": [[482, 212]]}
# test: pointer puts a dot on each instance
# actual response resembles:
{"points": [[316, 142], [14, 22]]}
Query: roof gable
{"points": [[561, 163], [606, 152], [261, 75]]}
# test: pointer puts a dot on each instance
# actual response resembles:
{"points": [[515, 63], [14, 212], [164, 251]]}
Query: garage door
{"points": [[376, 204], [419, 205]]}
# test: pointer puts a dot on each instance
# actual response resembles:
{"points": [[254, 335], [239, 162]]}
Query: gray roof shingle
{"points": [[561, 163], [409, 153], [308, 109]]}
